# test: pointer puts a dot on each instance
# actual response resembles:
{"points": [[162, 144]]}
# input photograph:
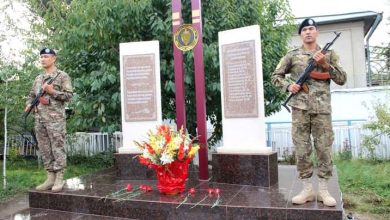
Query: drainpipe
{"points": [[378, 19]]}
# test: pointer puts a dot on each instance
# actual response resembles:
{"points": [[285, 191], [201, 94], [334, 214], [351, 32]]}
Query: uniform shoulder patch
{"points": [[293, 50]]}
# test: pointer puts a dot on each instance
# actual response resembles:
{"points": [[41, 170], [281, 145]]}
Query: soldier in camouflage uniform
{"points": [[50, 119], [311, 109]]}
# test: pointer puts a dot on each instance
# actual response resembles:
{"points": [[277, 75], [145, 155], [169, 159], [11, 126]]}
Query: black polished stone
{"points": [[128, 167], [47, 214], [245, 169], [89, 196]]}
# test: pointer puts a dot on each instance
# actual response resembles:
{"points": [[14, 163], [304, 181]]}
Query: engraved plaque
{"points": [[140, 87], [239, 80]]}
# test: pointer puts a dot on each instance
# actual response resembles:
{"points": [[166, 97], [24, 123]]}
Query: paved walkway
{"points": [[14, 205]]}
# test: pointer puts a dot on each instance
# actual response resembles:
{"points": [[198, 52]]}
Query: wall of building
{"points": [[347, 105]]}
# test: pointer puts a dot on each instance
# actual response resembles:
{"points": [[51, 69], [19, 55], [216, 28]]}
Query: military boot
{"points": [[59, 183], [323, 194], [49, 182], [307, 193]]}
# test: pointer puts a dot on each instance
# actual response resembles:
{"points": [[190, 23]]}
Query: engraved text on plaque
{"points": [[239, 80], [140, 87]]}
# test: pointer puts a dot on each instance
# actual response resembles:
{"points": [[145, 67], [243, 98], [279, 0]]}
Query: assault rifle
{"points": [[35, 102], [312, 64]]}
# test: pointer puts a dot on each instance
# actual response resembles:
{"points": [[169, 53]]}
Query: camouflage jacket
{"points": [[55, 109], [318, 99]]}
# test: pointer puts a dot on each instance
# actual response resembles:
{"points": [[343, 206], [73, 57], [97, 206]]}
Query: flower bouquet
{"points": [[168, 152]]}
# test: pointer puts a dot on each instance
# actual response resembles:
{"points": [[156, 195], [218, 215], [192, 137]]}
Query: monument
{"points": [[244, 162], [140, 102], [243, 158]]}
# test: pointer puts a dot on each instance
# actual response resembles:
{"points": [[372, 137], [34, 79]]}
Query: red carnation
{"points": [[143, 160], [150, 149], [129, 187], [180, 155]]}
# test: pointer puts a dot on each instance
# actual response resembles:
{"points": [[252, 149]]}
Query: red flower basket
{"points": [[172, 177], [169, 152]]}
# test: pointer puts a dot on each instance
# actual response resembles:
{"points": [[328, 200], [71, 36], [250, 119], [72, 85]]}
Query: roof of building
{"points": [[370, 18]]}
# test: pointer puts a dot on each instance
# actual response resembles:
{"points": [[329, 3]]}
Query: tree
{"points": [[378, 126], [87, 34], [18, 68], [380, 65], [13, 92]]}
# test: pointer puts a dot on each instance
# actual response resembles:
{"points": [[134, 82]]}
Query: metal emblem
{"points": [[311, 22], [186, 37], [47, 50]]}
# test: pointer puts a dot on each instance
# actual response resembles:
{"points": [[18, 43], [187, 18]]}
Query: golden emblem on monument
{"points": [[185, 37]]}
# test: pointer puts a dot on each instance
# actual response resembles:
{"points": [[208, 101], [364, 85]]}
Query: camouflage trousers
{"points": [[51, 143], [319, 127]]}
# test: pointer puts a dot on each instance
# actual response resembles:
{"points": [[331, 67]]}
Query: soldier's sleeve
{"points": [[279, 75], [66, 92], [337, 73]]}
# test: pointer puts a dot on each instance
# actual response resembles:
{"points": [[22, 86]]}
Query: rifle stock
{"points": [[306, 74]]}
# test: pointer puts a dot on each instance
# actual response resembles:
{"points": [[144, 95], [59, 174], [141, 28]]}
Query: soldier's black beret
{"points": [[47, 51], [307, 22]]}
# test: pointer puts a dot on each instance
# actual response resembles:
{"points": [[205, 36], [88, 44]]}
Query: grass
{"points": [[365, 186], [24, 174]]}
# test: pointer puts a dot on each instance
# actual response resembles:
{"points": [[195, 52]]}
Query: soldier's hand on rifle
{"points": [[320, 59], [27, 107], [48, 88], [294, 88]]}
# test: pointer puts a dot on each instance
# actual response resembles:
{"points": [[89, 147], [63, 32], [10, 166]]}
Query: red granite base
{"points": [[87, 195], [245, 169], [127, 167]]}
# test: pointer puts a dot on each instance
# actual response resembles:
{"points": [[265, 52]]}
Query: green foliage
{"points": [[346, 152], [378, 127], [87, 34], [19, 81], [13, 155], [288, 158], [17, 70], [105, 159], [345, 155], [365, 185]]}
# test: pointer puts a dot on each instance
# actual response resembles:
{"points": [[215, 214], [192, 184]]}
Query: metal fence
{"points": [[81, 143], [91, 143], [347, 138]]}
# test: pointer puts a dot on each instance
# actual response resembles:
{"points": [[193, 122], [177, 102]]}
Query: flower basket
{"points": [[168, 152], [172, 177]]}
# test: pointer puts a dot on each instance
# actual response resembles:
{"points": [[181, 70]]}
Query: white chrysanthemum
{"points": [[161, 143], [147, 155], [177, 141], [186, 144], [166, 159]]}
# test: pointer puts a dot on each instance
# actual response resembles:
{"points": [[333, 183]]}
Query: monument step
{"points": [[47, 214], [90, 195]]}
